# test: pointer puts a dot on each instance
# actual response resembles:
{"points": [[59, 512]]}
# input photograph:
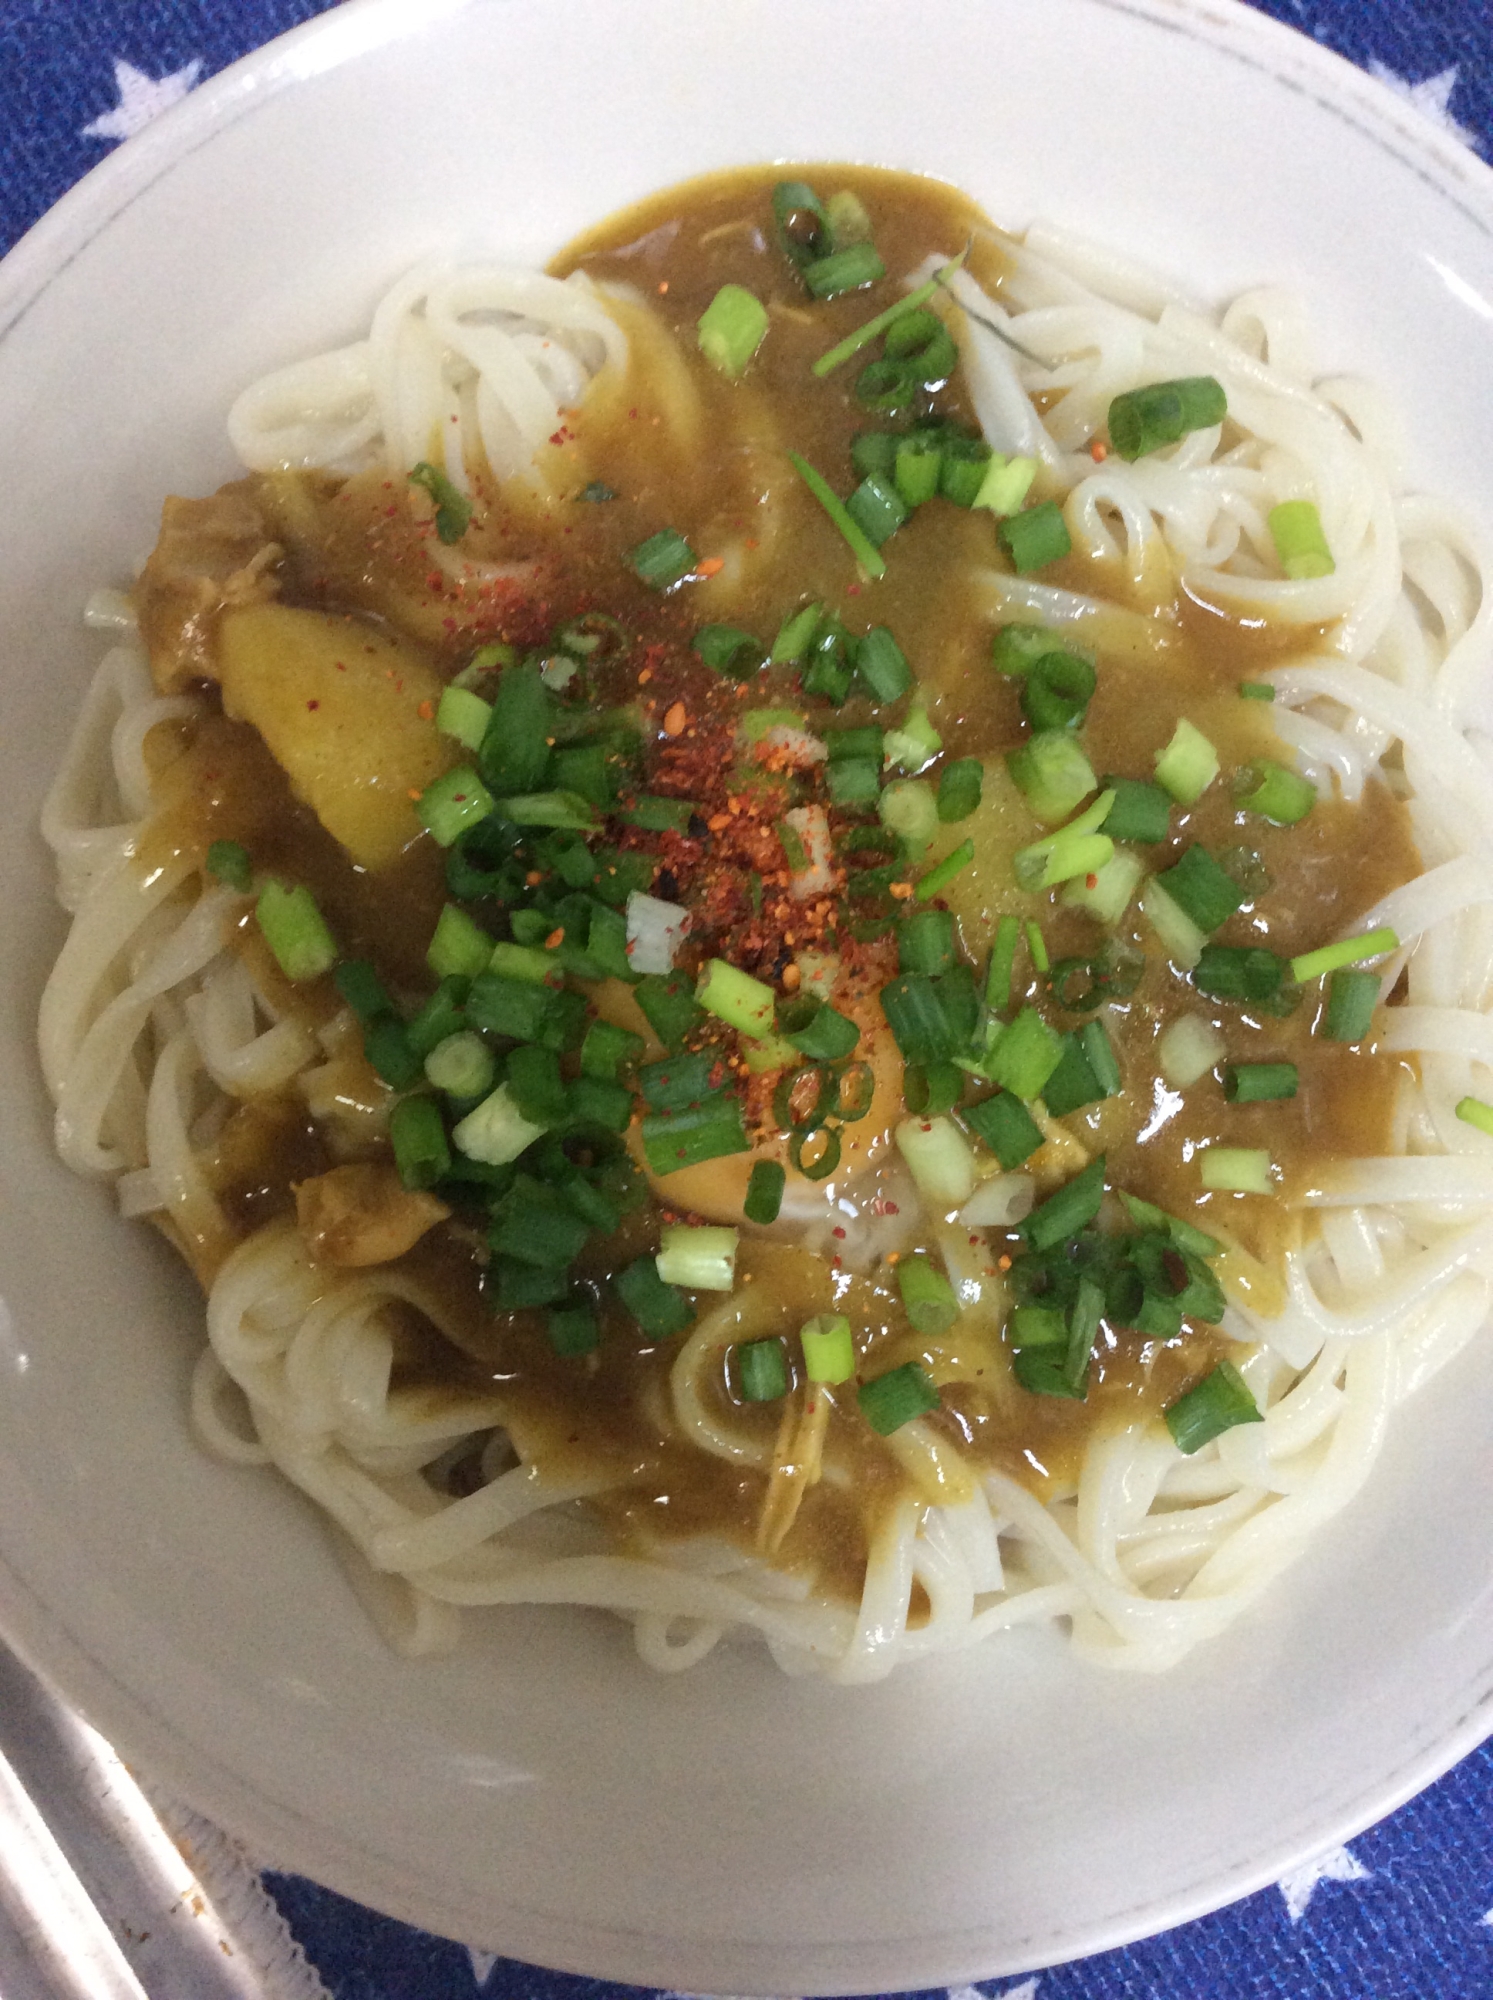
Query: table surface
{"points": [[1404, 1910]]}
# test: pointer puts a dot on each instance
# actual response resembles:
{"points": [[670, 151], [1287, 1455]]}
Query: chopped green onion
{"points": [[443, 1014], [921, 339], [463, 715], [915, 1014], [1188, 765], [573, 1331], [864, 551], [1004, 1124], [228, 862], [663, 560], [847, 270], [1183, 940], [418, 1136], [894, 1399], [939, 877], [761, 1371], [462, 1065], [731, 328], [877, 509], [1143, 420], [1075, 849], [510, 1006], [1053, 773], [1220, 1401], [925, 942], [1201, 890], [1296, 529], [1002, 964], [882, 665], [702, 1258], [524, 1287], [592, 1101], [1087, 1073], [756, 723], [1277, 794], [679, 1080], [459, 948], [764, 1195], [1472, 1111], [1235, 1170], [607, 1049], [295, 931], [961, 470], [794, 635], [1036, 537], [916, 743], [733, 996], [653, 815], [1242, 973], [525, 963], [455, 801], [668, 1006], [829, 1350], [534, 1083], [659, 1308], [927, 1295], [848, 218], [1256, 691], [825, 1141], [1037, 947], [1066, 1212], [915, 467], [1113, 887], [929, 1090], [1026, 1055], [362, 989], [1259, 1083], [515, 752], [1057, 690], [1347, 951], [864, 335], [729, 651], [818, 1031], [1015, 649], [496, 1131], [940, 1160], [1141, 811], [673, 1140], [803, 228], [557, 809], [1351, 1000], [453, 511], [1006, 484], [960, 785], [855, 781], [1186, 1049], [909, 809]]}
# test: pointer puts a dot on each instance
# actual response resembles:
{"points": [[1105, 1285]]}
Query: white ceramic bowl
{"points": [[540, 1792]]}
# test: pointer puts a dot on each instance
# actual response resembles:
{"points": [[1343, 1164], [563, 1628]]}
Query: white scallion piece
{"points": [[940, 1160], [654, 929], [817, 876], [1000, 1203], [496, 1131], [1187, 1049], [702, 1258]]}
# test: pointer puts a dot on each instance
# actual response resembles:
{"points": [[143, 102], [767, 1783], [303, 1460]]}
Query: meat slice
{"points": [[211, 554]]}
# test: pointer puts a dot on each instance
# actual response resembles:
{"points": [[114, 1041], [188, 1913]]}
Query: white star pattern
{"points": [[1432, 97], [141, 98], [1298, 1887], [1026, 1991], [482, 1963]]}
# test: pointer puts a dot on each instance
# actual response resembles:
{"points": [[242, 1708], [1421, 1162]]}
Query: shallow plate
{"points": [[540, 1792]]}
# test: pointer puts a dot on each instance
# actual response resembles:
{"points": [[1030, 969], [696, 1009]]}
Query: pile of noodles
{"points": [[151, 1028]]}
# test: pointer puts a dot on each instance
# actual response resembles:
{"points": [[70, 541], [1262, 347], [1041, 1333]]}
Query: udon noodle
{"points": [[159, 1027]]}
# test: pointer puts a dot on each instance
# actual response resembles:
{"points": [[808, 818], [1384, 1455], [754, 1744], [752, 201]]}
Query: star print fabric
{"points": [[1404, 1911]]}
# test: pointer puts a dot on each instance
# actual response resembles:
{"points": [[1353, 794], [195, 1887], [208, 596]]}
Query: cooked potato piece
{"points": [[363, 1214], [339, 705]]}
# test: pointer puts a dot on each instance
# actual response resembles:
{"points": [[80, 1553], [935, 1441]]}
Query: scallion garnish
{"points": [[459, 947], [1036, 537], [1259, 1083], [960, 785], [1351, 1000], [925, 942], [794, 635], [1244, 973], [847, 270], [1277, 794], [761, 1370], [735, 997], [729, 650], [659, 1308], [731, 329], [1006, 483], [464, 715], [228, 862], [422, 1155], [1201, 889], [1057, 690], [1141, 811], [1188, 765], [1037, 947], [894, 1399], [462, 1066], [818, 1030], [1256, 691], [1143, 420], [496, 1131], [764, 1195], [1235, 1169], [453, 510], [1075, 849], [1296, 529], [1217, 1404], [877, 509], [663, 560], [927, 1295], [864, 335], [1347, 951], [829, 1350], [701, 1257], [1026, 1055], [453, 803], [295, 931], [1053, 773], [938, 878], [1067, 1211], [863, 550], [1004, 1124], [362, 989], [882, 665], [1472, 1111]]}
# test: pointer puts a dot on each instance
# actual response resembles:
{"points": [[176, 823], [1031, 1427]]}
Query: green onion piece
{"points": [[1256, 691], [894, 1399], [847, 270], [876, 451], [764, 1195], [1200, 889], [762, 1057], [663, 560], [418, 1136], [557, 809], [1057, 691], [1140, 812], [1036, 537], [825, 1141], [655, 815], [608, 1049], [228, 862], [1347, 951], [1052, 772], [761, 1371], [829, 1350], [668, 1005], [877, 509], [452, 803], [1351, 1000], [1004, 1124], [701, 1258], [1277, 794], [1026, 1055], [961, 470], [524, 1287], [673, 1140], [731, 328], [803, 228], [443, 1014], [1188, 765], [915, 744], [1219, 1402], [453, 511], [659, 1308], [463, 715], [818, 1031], [927, 1295], [515, 752], [679, 1080], [848, 219], [295, 931], [534, 1083], [1113, 887], [1037, 948], [938, 878], [864, 335], [1184, 942], [1143, 420], [1002, 964], [1259, 1083], [573, 1331], [1076, 1081], [915, 467], [362, 989], [510, 1006], [1075, 849], [925, 942], [1006, 484], [959, 788], [882, 665], [853, 745], [1239, 972], [794, 635], [756, 723], [496, 1131], [462, 1065], [1472, 1111], [920, 337], [1067, 1211], [591, 1101], [1296, 529], [1145, 1215], [909, 809], [931, 1089], [459, 948], [733, 996], [1235, 1170], [855, 781], [863, 550], [729, 650], [525, 963], [1015, 649], [915, 1014]]}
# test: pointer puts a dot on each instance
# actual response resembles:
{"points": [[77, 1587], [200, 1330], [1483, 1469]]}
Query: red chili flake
{"points": [[1091, 881], [553, 943], [838, 1231], [1098, 451], [710, 566], [426, 710], [313, 704]]}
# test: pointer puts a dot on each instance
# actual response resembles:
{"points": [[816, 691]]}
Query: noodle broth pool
{"points": [[333, 611]]}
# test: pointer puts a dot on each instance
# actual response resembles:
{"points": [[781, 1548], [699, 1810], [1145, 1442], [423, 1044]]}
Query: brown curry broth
{"points": [[343, 546]]}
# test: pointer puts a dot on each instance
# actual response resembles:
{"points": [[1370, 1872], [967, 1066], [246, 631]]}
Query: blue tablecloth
{"points": [[1405, 1912]]}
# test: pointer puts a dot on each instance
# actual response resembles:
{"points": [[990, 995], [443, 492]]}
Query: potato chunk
{"points": [[338, 703], [363, 1214]]}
